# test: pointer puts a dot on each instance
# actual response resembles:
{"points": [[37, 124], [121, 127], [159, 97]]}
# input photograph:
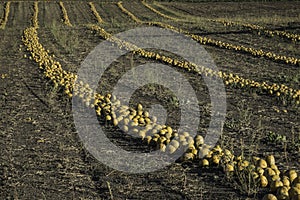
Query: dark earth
{"points": [[42, 156]]}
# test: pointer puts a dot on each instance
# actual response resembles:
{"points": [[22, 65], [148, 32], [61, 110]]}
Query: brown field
{"points": [[42, 156]]}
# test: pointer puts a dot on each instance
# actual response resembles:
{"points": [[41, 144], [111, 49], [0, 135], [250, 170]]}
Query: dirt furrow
{"points": [[41, 154], [112, 14], [141, 11], [79, 12], [20, 14], [242, 10], [1, 10], [103, 11], [49, 14]]}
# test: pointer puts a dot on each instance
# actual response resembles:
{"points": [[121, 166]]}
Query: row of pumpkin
{"points": [[262, 30], [283, 185], [253, 27], [5, 16], [212, 42], [282, 91], [66, 19], [286, 185]]}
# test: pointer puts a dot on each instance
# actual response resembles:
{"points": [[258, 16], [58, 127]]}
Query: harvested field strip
{"points": [[111, 14], [228, 62], [160, 13], [249, 50], [42, 156], [220, 44], [279, 14], [254, 41], [229, 79], [260, 30], [257, 29], [142, 12], [79, 13], [19, 10], [50, 14]]}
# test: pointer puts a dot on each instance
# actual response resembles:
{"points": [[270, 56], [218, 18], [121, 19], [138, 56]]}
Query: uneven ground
{"points": [[42, 156]]}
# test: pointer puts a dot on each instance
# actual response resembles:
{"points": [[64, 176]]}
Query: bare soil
{"points": [[41, 154]]}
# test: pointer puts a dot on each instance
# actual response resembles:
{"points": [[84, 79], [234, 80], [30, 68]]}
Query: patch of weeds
{"points": [[231, 124], [244, 117], [244, 178], [295, 139], [288, 144], [174, 103], [245, 181], [276, 138], [241, 121]]}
